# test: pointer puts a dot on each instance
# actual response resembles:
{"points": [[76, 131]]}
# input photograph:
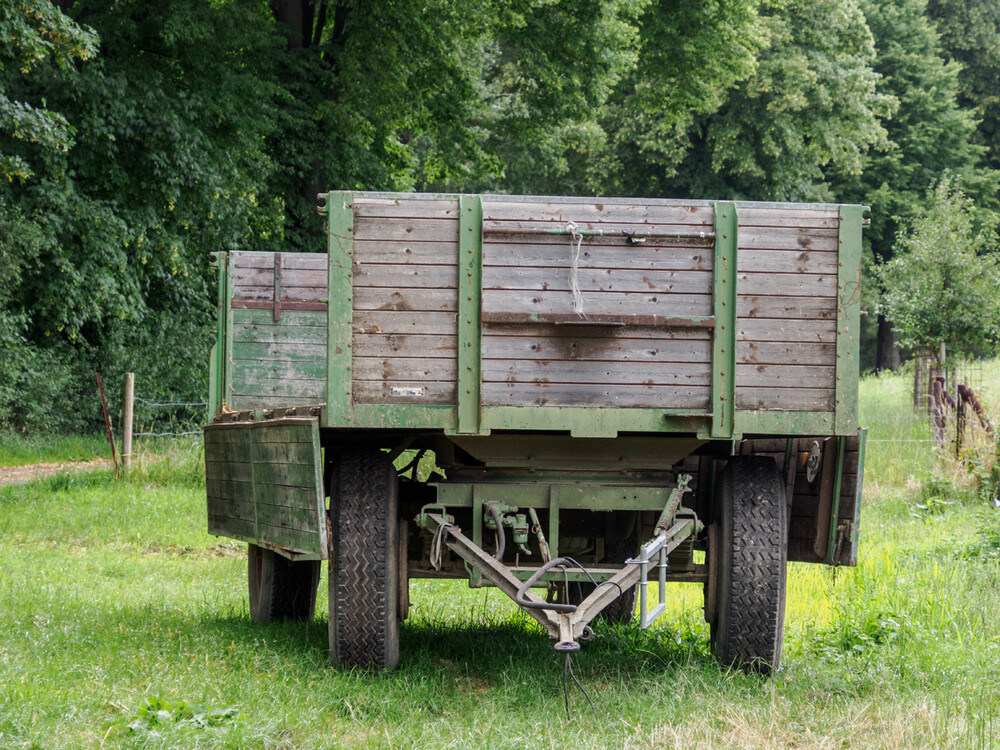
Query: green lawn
{"points": [[125, 625]]}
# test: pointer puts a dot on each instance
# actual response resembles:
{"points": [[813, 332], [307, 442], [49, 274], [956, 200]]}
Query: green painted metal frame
{"points": [[583, 421], [339, 309], [862, 450], [470, 293], [831, 545], [848, 319], [569, 496], [724, 333], [227, 356], [217, 361]]}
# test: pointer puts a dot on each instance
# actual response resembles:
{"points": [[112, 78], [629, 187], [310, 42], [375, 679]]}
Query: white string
{"points": [[575, 237]]}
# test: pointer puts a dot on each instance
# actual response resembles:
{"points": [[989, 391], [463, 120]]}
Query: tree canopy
{"points": [[139, 136]]}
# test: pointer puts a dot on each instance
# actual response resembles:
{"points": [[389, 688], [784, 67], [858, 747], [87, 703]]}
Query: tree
{"points": [[970, 35], [929, 135], [941, 284], [689, 54], [810, 106]]}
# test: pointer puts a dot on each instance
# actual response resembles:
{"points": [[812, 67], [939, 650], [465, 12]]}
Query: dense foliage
{"points": [[941, 286], [138, 137]]}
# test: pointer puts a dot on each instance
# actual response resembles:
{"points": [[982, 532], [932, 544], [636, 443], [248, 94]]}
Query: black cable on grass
{"points": [[568, 669]]}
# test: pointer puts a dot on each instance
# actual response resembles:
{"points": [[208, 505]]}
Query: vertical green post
{"points": [[838, 483], [339, 307], [554, 520], [475, 577], [724, 309], [848, 320], [227, 349], [217, 366], [470, 291]]}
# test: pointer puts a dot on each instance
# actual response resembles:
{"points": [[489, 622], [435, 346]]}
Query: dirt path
{"points": [[31, 472]]}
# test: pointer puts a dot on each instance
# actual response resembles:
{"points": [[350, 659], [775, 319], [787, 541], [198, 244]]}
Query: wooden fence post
{"points": [[127, 422]]}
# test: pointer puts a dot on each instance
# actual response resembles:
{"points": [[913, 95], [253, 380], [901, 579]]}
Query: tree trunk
{"points": [[887, 355]]}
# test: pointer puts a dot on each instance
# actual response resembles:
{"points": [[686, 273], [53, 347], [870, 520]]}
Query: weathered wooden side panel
{"points": [[278, 336], [787, 262], [577, 265], [264, 483], [405, 301]]}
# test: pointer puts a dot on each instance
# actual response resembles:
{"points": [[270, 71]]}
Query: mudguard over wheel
{"points": [[745, 598], [364, 566], [279, 588]]}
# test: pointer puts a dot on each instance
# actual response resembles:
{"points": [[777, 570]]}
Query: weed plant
{"points": [[125, 625]]}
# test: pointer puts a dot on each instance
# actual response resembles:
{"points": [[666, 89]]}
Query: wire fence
{"points": [[168, 418]]}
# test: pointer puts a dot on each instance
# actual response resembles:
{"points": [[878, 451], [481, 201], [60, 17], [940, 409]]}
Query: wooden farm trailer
{"points": [[614, 393]]}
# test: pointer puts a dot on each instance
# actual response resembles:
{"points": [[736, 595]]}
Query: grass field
{"points": [[123, 624]]}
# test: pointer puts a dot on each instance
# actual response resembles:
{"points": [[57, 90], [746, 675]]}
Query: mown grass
{"points": [[125, 625]]}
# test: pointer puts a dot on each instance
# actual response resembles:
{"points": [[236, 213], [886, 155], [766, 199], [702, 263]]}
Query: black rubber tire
{"points": [[750, 565], [622, 610], [279, 588], [364, 566]]}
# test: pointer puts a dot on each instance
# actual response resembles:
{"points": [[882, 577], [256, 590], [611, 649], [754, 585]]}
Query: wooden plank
{"points": [[405, 208], [406, 392], [778, 353], [785, 376], [404, 322], [407, 229], [274, 400], [290, 261], [294, 517], [497, 346], [246, 370], [554, 252], [804, 308], [289, 475], [787, 238], [403, 368], [297, 277], [785, 399], [562, 394], [787, 284], [499, 210], [597, 280], [422, 300], [789, 331], [402, 345], [637, 334], [290, 336], [787, 261], [512, 371], [278, 351], [289, 538], [234, 528], [291, 320], [641, 230], [388, 251], [396, 275], [264, 382], [792, 216], [288, 293], [599, 303]]}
